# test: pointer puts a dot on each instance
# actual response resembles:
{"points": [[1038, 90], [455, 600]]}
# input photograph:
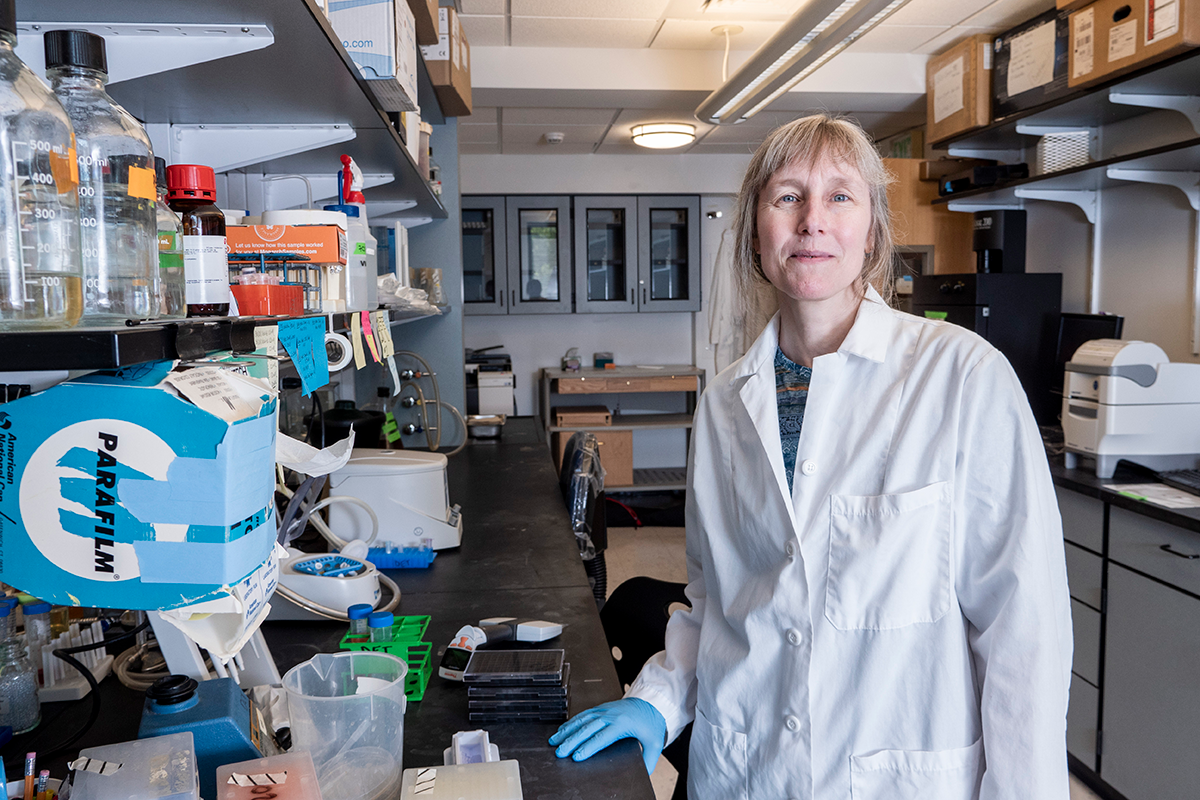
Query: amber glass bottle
{"points": [[191, 192]]}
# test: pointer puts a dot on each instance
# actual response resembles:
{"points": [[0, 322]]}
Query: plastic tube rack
{"points": [[61, 681]]}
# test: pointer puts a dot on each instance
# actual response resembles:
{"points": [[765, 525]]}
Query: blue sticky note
{"points": [[304, 341]]}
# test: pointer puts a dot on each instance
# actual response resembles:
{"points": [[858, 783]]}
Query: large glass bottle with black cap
{"points": [[118, 231], [40, 284]]}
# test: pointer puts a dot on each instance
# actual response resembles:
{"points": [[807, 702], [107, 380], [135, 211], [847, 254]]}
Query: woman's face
{"points": [[814, 230]]}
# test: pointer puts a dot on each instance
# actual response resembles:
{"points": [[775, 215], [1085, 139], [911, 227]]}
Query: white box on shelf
{"points": [[381, 37]]}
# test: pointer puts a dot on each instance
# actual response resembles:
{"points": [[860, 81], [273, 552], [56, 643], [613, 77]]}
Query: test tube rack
{"points": [[407, 646], [59, 680]]}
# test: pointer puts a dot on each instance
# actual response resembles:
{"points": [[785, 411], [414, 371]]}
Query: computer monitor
{"points": [[1075, 329]]}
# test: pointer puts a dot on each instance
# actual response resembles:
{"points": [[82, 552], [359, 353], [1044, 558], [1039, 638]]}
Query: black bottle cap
{"points": [[383, 391], [8, 16], [345, 405], [75, 49], [290, 383], [160, 171], [172, 689]]}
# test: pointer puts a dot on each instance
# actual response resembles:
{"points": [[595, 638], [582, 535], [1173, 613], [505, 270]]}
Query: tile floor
{"points": [[659, 553]]}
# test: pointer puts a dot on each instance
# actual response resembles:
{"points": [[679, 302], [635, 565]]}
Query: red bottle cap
{"points": [[191, 182]]}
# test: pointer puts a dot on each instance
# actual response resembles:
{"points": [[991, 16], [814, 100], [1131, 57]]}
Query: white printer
{"points": [[408, 492], [1127, 400]]}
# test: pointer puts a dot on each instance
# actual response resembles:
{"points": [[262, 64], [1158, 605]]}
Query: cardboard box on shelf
{"points": [[1112, 37], [1071, 5], [381, 38], [616, 454], [425, 14], [1030, 64], [958, 88], [581, 416], [449, 65], [323, 244]]}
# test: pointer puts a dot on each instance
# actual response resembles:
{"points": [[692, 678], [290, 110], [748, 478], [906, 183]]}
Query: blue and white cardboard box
{"points": [[141, 488], [381, 38]]}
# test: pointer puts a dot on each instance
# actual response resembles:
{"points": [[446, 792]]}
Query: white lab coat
{"points": [[899, 627]]}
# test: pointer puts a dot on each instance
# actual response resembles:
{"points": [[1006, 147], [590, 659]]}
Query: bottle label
{"points": [[205, 269]]}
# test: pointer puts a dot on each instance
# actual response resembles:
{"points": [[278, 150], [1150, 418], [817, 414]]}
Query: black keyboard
{"points": [[1186, 479]]}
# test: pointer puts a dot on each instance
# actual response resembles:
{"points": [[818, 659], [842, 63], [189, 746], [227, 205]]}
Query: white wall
{"points": [[603, 174]]}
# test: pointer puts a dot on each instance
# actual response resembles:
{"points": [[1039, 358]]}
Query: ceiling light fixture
{"points": [[664, 135], [813, 35]]}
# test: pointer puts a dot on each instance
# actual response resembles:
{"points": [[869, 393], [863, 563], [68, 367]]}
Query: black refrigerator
{"points": [[1017, 312]]}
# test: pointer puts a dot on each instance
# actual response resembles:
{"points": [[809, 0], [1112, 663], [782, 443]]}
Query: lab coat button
{"points": [[790, 549], [793, 636], [809, 467], [793, 724]]}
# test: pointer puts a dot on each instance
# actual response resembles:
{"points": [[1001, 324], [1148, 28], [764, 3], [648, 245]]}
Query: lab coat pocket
{"points": [[889, 559], [918, 775], [717, 762]]}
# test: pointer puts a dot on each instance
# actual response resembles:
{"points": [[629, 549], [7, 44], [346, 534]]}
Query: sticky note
{"points": [[366, 324], [141, 183], [390, 429], [383, 329], [360, 248], [304, 341], [935, 315], [360, 357]]}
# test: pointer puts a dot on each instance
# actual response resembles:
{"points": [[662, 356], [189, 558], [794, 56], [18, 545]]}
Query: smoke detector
{"points": [[555, 137]]}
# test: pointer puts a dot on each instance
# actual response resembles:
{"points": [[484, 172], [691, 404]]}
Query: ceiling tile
{"points": [[944, 41], [478, 134], [703, 149], [483, 7], [533, 136], [467, 149], [937, 12], [480, 115], [1004, 14], [737, 134], [687, 34], [563, 32], [484, 31], [739, 11], [895, 38], [607, 9], [558, 116]]}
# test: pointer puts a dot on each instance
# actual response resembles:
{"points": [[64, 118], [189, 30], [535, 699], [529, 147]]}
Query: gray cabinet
{"points": [[539, 255], [1083, 719], [669, 253], [1151, 719], [484, 251], [606, 254], [1082, 519]]}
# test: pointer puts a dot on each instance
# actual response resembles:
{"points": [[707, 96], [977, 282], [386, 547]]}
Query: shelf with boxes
{"points": [[292, 106], [616, 431]]}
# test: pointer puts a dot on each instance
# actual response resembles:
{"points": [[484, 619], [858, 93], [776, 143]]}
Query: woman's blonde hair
{"points": [[807, 141]]}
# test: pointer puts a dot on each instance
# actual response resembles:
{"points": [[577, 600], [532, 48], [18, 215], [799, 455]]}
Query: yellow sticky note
{"points": [[383, 330], [141, 183], [360, 356]]}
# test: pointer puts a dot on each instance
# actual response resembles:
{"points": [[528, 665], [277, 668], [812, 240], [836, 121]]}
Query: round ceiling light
{"points": [[664, 135]]}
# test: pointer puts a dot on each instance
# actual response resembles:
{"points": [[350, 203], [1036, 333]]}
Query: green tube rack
{"points": [[406, 645]]}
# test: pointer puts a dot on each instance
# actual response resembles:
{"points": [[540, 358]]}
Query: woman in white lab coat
{"points": [[875, 558]]}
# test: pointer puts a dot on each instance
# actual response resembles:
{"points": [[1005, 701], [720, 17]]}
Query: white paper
{"points": [[1031, 59], [1122, 40], [301, 457], [266, 338], [213, 389], [986, 48], [1158, 493], [1084, 42], [948, 90], [1164, 19]]}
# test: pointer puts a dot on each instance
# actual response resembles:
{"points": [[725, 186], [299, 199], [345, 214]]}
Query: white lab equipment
{"points": [[495, 392], [408, 491], [1127, 400], [334, 580]]}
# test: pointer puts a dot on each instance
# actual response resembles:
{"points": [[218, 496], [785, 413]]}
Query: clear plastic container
{"points": [[40, 278], [118, 229], [157, 768], [347, 711], [171, 288], [289, 776], [19, 706]]}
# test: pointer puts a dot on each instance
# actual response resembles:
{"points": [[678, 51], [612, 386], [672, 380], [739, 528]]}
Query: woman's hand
{"points": [[589, 732]]}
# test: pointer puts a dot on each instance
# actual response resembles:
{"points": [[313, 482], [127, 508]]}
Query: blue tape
{"points": [[205, 562]]}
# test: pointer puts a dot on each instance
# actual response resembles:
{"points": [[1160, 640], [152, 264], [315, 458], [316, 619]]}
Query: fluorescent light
{"points": [[664, 135], [813, 35]]}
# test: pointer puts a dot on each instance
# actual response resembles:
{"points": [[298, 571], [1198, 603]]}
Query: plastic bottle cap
{"points": [[291, 383], [191, 182], [359, 611], [349, 211], [172, 689], [5, 610], [383, 391], [380, 619], [75, 49], [345, 405], [10, 601], [37, 608]]}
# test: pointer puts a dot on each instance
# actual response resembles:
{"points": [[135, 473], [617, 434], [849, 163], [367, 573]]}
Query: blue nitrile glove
{"points": [[589, 732]]}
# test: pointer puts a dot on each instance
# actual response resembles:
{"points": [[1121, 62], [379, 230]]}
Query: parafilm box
{"points": [[141, 488]]}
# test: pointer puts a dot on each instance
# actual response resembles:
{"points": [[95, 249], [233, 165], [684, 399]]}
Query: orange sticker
{"points": [[74, 161], [141, 183]]}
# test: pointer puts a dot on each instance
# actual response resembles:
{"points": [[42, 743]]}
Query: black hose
{"points": [[597, 572]]}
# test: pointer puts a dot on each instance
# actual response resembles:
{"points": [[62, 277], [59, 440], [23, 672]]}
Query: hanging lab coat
{"points": [[897, 627]]}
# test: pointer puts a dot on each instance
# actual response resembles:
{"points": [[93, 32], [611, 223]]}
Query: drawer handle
{"points": [[1166, 548]]}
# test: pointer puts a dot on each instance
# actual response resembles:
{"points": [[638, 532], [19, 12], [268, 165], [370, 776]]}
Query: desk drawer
{"points": [[657, 383], [1085, 573], [582, 385], [1083, 716], [1082, 519], [1137, 541], [1086, 624]]}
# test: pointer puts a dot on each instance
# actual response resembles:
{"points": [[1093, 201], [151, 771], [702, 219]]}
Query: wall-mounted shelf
{"points": [[305, 77], [109, 348]]}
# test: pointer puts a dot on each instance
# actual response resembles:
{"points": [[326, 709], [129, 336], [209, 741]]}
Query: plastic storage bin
{"points": [[290, 776], [161, 768], [347, 711]]}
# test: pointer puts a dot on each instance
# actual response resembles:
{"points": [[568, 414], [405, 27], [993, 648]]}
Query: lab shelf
{"points": [[305, 77], [638, 422], [657, 479], [109, 348]]}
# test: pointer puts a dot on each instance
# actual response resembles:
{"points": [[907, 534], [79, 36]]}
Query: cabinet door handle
{"points": [[513, 298], [643, 296], [1166, 548], [631, 297]]}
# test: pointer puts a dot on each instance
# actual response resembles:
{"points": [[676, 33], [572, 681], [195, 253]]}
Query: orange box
{"points": [[323, 244], [267, 300]]}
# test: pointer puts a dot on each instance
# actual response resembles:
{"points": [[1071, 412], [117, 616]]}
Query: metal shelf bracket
{"points": [[1189, 184], [226, 147], [1085, 199], [135, 49], [290, 194], [1188, 105]]}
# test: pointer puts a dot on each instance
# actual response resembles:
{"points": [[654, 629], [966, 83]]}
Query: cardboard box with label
{"points": [[1112, 37], [958, 86], [449, 65], [1071, 5], [142, 488], [425, 14], [381, 38], [1030, 64]]}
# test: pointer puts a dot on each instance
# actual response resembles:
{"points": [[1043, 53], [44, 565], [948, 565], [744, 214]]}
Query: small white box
{"points": [[381, 37]]}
